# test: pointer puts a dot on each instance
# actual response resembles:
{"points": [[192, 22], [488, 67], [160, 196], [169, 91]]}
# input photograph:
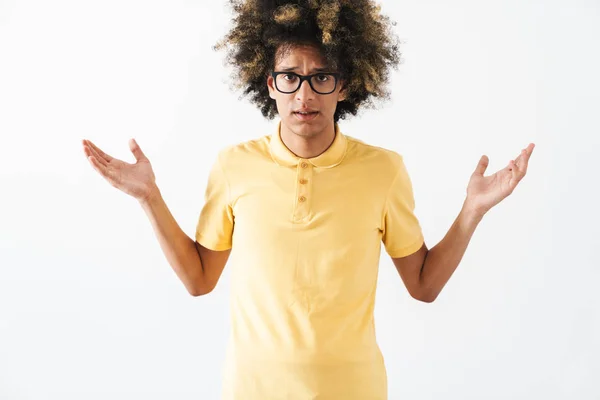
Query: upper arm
{"points": [[402, 234], [409, 267], [214, 229], [213, 262], [401, 230]]}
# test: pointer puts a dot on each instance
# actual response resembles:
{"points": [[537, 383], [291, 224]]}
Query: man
{"points": [[303, 211]]}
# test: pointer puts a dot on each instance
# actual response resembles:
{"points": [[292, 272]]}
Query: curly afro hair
{"points": [[354, 38]]}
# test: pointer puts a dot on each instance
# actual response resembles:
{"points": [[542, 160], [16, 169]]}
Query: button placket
{"points": [[303, 191]]}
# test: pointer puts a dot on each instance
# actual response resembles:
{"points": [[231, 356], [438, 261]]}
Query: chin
{"points": [[305, 128]]}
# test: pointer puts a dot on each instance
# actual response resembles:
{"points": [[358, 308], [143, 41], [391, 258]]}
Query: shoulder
{"points": [[243, 152], [368, 154]]}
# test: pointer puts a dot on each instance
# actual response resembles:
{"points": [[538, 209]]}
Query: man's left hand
{"points": [[484, 192]]}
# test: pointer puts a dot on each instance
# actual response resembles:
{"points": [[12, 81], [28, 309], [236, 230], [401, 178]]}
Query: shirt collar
{"points": [[331, 157]]}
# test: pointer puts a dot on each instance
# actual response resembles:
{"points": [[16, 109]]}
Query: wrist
{"points": [[472, 213], [150, 198]]}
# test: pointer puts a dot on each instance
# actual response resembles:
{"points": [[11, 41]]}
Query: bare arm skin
{"points": [[197, 267], [426, 272]]}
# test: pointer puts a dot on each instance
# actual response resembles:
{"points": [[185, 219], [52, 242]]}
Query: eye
{"points": [[289, 77], [323, 78]]}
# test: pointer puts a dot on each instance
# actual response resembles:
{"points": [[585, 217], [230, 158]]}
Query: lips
{"points": [[310, 115], [304, 112]]}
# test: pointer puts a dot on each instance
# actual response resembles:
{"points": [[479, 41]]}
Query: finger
{"points": [[102, 154], [529, 151], [512, 166], [482, 165], [526, 152], [98, 166], [525, 164], [102, 169], [515, 177], [519, 159], [136, 150], [524, 159], [517, 172], [89, 151], [530, 148]]}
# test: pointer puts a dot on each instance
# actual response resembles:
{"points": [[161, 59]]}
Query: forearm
{"points": [[179, 249], [443, 259]]}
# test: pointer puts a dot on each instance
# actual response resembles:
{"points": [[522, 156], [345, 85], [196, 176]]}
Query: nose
{"points": [[305, 92]]}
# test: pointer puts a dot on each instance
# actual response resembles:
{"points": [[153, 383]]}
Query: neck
{"points": [[308, 146]]}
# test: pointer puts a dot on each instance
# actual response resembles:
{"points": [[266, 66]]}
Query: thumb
{"points": [[482, 165], [136, 150]]}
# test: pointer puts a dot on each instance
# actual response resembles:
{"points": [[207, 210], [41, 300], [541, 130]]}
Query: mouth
{"points": [[306, 116]]}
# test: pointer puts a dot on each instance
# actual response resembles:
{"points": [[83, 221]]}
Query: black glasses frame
{"points": [[336, 77]]}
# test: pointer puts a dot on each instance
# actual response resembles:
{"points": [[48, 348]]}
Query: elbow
{"points": [[196, 290], [425, 297], [430, 299], [197, 293]]}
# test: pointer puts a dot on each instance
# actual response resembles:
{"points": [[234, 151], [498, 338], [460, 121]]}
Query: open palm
{"points": [[136, 180], [484, 192]]}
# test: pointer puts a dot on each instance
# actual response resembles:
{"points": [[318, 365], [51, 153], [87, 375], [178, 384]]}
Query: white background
{"points": [[89, 307]]}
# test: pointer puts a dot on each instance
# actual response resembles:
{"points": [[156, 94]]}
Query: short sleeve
{"points": [[214, 229], [402, 234]]}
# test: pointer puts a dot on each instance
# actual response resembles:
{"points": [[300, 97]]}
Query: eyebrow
{"points": [[286, 69]]}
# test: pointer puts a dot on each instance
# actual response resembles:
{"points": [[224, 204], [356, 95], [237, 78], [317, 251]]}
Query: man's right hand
{"points": [[136, 180]]}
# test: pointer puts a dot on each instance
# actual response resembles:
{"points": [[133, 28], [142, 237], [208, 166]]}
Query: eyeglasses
{"points": [[321, 83]]}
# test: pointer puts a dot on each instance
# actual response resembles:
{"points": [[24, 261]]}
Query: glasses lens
{"points": [[322, 83], [287, 82]]}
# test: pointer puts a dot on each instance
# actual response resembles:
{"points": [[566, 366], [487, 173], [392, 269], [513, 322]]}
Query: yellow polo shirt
{"points": [[306, 240]]}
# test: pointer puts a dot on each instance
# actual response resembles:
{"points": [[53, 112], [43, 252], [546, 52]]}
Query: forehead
{"points": [[300, 56]]}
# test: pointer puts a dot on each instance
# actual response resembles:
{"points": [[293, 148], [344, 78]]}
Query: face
{"points": [[304, 60]]}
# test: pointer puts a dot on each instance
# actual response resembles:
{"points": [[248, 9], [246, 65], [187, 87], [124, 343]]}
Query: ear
{"points": [[271, 87], [343, 91]]}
